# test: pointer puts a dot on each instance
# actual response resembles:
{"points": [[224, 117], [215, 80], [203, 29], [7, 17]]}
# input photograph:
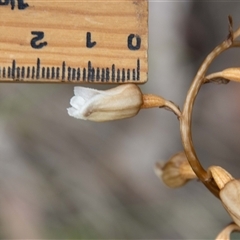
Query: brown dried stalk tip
{"points": [[176, 172]]}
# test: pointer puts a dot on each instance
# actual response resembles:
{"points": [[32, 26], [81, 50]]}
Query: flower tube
{"points": [[120, 102]]}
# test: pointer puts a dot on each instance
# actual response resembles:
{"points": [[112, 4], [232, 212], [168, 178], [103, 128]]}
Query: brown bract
{"points": [[176, 172], [230, 197]]}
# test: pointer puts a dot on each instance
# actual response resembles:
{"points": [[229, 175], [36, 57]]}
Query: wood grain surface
{"points": [[73, 41]]}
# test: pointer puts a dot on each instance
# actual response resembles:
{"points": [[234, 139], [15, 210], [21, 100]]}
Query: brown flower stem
{"points": [[186, 117], [175, 109], [214, 75], [153, 101]]}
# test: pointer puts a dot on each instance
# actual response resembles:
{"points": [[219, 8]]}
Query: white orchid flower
{"points": [[120, 102]]}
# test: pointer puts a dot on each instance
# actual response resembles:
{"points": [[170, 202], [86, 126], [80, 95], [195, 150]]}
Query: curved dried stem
{"points": [[152, 101], [186, 117], [172, 107]]}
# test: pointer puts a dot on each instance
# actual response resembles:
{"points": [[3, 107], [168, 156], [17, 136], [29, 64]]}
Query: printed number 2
{"points": [[34, 41]]}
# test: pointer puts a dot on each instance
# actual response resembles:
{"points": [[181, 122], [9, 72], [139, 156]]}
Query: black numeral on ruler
{"points": [[68, 74]]}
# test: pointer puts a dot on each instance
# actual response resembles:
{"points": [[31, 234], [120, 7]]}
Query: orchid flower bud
{"points": [[120, 102], [232, 74], [229, 74], [176, 172], [229, 191]]}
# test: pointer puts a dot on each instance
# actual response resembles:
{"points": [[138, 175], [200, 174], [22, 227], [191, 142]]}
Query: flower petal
{"points": [[77, 102], [73, 112], [86, 93]]}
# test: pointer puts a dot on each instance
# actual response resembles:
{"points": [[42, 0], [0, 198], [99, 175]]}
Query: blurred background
{"points": [[62, 178]]}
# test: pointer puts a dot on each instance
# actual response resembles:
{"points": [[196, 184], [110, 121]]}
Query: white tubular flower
{"points": [[120, 102]]}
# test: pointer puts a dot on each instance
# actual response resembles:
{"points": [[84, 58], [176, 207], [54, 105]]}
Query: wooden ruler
{"points": [[73, 41]]}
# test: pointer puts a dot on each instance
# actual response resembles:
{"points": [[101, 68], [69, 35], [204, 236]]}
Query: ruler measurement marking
{"points": [[78, 74], [107, 74], [84, 74], [74, 74], [63, 70], [23, 73], [43, 72], [97, 70], [118, 75], [58, 73], [113, 73], [48, 72], [33, 72], [90, 73], [13, 69], [138, 70], [134, 75], [9, 72], [98, 74], [28, 72], [123, 75], [38, 68], [53, 73], [103, 75], [93, 74], [4, 72], [70, 74], [18, 72]]}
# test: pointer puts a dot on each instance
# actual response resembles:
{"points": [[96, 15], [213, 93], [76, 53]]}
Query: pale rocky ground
{"points": [[65, 178]]}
